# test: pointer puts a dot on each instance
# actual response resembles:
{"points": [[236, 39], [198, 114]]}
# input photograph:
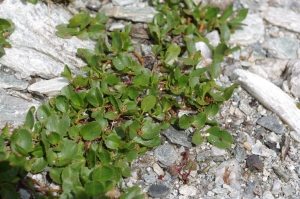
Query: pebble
{"points": [[158, 191], [276, 189], [215, 151], [271, 123], [166, 154], [187, 190], [157, 169], [295, 135], [150, 178], [177, 137], [287, 190], [293, 77], [281, 174], [10, 81]]}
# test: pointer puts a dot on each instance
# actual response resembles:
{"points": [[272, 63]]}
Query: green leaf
{"points": [[172, 52], [55, 174], [200, 120], [229, 91], [112, 141], [38, 165], [226, 14], [104, 173], [7, 189], [63, 31], [116, 41], [43, 113], [197, 138], [141, 80], [133, 192], [80, 192], [219, 138], [61, 103], [156, 141], [21, 138], [185, 121], [150, 130], [225, 32], [96, 30], [101, 18], [242, 14], [148, 103], [118, 63], [67, 73], [91, 131], [95, 97], [29, 122], [212, 13], [94, 188]]}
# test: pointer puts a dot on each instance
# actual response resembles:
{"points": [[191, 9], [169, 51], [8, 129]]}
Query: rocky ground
{"points": [[264, 161]]}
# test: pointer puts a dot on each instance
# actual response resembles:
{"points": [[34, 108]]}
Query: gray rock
{"points": [[188, 190], [295, 135], [239, 152], [135, 14], [268, 195], [287, 190], [282, 17], [215, 151], [166, 154], [150, 178], [10, 81], [116, 26], [158, 191], [49, 87], [205, 51], [282, 47], [273, 68], [251, 33], [245, 107], [122, 2], [270, 96], [36, 50], [276, 189], [281, 173], [13, 110], [292, 77], [232, 170], [177, 137], [249, 189], [271, 123]]}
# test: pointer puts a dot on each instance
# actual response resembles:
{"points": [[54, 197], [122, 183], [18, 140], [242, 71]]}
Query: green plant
{"points": [[6, 29], [87, 136]]}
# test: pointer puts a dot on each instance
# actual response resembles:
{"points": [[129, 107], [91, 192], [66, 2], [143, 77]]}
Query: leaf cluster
{"points": [[87, 136], [6, 29]]}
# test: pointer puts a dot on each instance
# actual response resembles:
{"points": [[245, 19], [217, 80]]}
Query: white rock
{"points": [[135, 14], [258, 71], [293, 77], [215, 151], [272, 137], [251, 33], [49, 87], [295, 135], [262, 150], [116, 26], [214, 38], [157, 169], [282, 17], [123, 2], [205, 51], [268, 195], [276, 189], [270, 96], [229, 170], [36, 50], [187, 190]]}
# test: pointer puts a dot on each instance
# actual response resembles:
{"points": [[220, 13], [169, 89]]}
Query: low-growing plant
{"points": [[86, 137], [6, 29]]}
